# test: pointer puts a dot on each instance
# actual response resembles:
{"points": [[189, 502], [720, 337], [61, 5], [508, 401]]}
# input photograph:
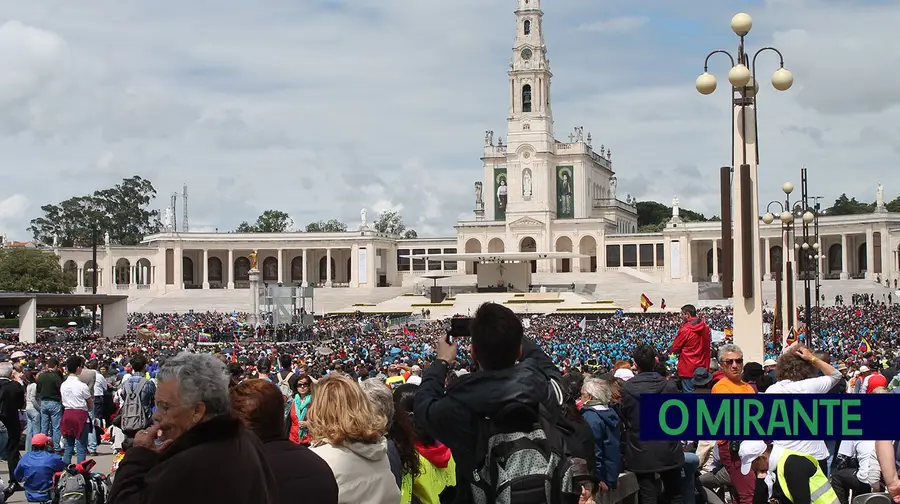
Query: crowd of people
{"points": [[374, 409]]}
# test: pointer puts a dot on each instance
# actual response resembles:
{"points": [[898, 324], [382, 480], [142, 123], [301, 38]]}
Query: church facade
{"points": [[537, 193]]}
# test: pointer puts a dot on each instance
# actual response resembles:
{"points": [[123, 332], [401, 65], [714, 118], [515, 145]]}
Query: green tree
{"points": [[653, 216], [391, 223], [271, 221], [31, 270], [330, 226], [893, 206], [122, 210], [849, 206]]}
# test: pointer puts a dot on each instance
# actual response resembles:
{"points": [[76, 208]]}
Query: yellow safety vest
{"points": [[820, 491], [394, 381]]}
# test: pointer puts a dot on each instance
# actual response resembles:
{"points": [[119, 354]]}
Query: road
{"points": [[103, 458]]}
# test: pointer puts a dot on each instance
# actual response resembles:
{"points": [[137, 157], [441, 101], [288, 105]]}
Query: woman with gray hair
{"points": [[596, 395], [380, 396], [195, 451]]}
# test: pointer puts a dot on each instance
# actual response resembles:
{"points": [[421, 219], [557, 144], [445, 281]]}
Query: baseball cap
{"points": [[770, 362], [41, 439], [750, 451]]}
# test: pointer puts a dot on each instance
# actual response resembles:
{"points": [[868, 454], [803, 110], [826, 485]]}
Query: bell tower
{"points": [[530, 118]]}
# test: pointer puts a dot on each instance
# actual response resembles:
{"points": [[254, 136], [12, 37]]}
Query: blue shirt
{"points": [[35, 471]]}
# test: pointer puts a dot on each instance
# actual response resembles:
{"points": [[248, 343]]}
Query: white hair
{"points": [[380, 396], [724, 349], [6, 369], [598, 389], [201, 378]]}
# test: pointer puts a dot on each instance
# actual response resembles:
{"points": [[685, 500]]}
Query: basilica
{"points": [[552, 202]]}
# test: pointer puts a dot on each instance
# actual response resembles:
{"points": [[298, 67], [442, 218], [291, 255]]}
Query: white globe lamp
{"points": [[741, 24], [706, 83]]}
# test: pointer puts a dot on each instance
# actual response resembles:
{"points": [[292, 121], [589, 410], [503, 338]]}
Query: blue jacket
{"points": [[607, 444], [35, 471]]}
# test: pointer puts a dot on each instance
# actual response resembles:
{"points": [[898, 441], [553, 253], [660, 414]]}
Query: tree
{"points": [[331, 226], [893, 206], [31, 270], [849, 206], [391, 223], [271, 221], [653, 216], [122, 210]]}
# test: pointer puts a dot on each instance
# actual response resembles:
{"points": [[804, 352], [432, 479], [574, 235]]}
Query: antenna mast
{"points": [[174, 215], [184, 202]]}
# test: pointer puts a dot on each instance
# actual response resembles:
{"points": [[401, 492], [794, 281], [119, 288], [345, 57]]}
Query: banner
{"points": [[565, 194], [787, 417]]}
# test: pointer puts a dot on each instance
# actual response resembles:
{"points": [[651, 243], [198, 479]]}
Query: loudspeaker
{"points": [[437, 294]]}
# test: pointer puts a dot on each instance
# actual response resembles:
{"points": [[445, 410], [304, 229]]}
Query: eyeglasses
{"points": [[303, 385], [732, 362]]}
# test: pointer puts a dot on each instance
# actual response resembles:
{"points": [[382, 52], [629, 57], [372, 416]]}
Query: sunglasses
{"points": [[731, 362]]}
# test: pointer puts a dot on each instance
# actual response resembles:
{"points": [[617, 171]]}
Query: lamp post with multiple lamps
{"points": [[747, 279], [807, 246]]}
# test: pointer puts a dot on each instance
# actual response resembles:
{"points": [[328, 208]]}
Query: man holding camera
{"points": [[512, 370]]}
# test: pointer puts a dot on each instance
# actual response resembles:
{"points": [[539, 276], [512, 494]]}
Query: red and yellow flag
{"points": [[645, 302]]}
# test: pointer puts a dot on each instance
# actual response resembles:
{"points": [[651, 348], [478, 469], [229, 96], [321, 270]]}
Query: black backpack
{"points": [[523, 459]]}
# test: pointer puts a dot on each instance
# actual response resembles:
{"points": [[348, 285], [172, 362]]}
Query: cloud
{"points": [[622, 24], [294, 107]]}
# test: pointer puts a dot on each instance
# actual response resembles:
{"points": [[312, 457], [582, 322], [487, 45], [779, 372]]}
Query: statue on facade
{"points": [[579, 133], [488, 138], [479, 194], [500, 142], [879, 196], [613, 182], [55, 240], [167, 219], [526, 184], [252, 256], [589, 139], [675, 209], [362, 219], [106, 239]]}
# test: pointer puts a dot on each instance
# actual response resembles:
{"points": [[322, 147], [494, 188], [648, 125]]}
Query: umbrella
{"points": [[324, 351], [73, 323], [395, 351], [17, 355]]}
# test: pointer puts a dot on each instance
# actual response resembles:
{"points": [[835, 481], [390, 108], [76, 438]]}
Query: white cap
{"points": [[864, 369], [750, 451], [624, 374], [770, 362]]}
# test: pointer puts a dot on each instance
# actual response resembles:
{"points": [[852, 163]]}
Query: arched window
{"points": [[526, 98], [527, 26]]}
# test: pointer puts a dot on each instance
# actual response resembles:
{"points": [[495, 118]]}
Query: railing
{"points": [[123, 286], [143, 286]]}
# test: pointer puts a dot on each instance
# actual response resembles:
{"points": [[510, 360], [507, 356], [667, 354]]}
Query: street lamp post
{"points": [[94, 274], [785, 279], [745, 158]]}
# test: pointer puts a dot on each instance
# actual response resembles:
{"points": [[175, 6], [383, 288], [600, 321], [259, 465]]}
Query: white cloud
{"points": [[622, 24], [320, 111]]}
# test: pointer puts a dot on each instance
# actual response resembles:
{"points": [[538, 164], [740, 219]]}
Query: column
{"points": [[823, 253], [885, 254], [371, 266], [205, 269], [178, 258], [715, 264], [844, 269], [28, 321], [79, 280], [327, 267], [391, 266], [637, 256], [870, 253], [281, 266], [688, 274], [354, 267], [305, 269], [576, 263], [230, 269], [767, 266]]}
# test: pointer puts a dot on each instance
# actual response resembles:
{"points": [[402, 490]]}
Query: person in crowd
{"points": [[32, 409], [801, 372], [579, 439], [138, 388], [89, 377], [235, 374], [12, 399], [434, 481], [36, 469], [47, 392], [596, 395], [651, 459], [511, 368], [856, 469], [297, 408], [415, 375], [400, 433], [395, 377], [381, 399], [97, 413], [196, 451], [702, 382], [284, 377], [77, 401], [299, 473], [692, 344], [769, 366], [349, 435], [796, 478], [731, 361]]}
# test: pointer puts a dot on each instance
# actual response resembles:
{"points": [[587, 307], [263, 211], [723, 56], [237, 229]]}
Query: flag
{"points": [[662, 304], [645, 302], [729, 332], [583, 324], [864, 346]]}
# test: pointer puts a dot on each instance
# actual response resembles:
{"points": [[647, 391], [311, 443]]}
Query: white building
{"points": [[537, 194]]}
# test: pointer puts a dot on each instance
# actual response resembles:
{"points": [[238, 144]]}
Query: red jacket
{"points": [[693, 344]]}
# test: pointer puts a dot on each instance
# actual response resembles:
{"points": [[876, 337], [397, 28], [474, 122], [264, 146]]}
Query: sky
{"points": [[320, 107]]}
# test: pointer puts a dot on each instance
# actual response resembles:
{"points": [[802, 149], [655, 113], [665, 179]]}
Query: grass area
{"points": [[534, 301], [430, 305]]}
